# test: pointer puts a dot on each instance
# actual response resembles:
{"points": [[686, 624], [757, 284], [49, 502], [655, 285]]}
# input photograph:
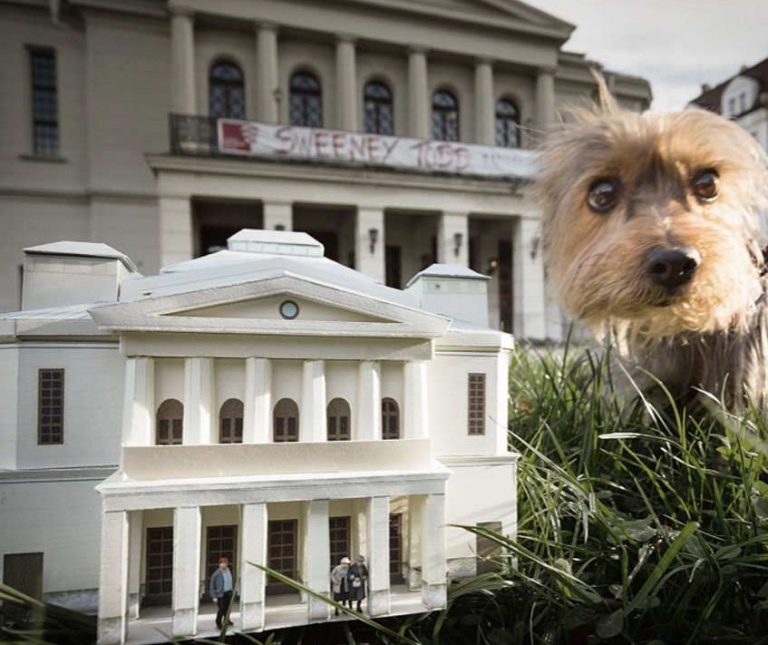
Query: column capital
{"points": [[418, 49], [186, 12], [483, 60], [265, 26], [546, 69], [346, 38]]}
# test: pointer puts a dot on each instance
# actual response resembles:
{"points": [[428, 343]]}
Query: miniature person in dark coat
{"points": [[358, 580], [221, 590]]}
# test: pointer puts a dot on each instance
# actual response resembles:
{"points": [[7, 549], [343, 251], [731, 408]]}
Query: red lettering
{"points": [[284, 136], [390, 143], [321, 142], [338, 140], [373, 148], [356, 148]]}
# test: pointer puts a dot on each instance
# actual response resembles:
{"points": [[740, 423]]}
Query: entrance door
{"points": [[339, 529], [393, 267], [24, 572], [396, 549], [220, 541], [159, 566], [282, 549], [506, 309]]}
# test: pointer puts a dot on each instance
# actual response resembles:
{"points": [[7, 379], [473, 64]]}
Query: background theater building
{"points": [[108, 131]]}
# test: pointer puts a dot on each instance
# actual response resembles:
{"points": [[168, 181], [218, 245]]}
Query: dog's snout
{"points": [[671, 268]]}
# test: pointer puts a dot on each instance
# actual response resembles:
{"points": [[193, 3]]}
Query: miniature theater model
{"points": [[265, 403]]}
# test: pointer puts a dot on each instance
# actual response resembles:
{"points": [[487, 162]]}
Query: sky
{"points": [[676, 44]]}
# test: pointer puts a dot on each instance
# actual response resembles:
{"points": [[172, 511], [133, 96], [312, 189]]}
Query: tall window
{"points": [[338, 421], [507, 124], [226, 91], [170, 423], [50, 406], [378, 111], [285, 421], [390, 419], [231, 421], [306, 106], [45, 110], [476, 404], [445, 116]]}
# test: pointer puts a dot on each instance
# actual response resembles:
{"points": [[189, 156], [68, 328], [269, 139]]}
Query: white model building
{"points": [[263, 402]]}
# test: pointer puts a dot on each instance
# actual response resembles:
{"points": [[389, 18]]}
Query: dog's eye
{"points": [[603, 194], [706, 185]]}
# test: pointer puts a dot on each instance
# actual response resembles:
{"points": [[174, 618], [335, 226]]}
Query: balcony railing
{"points": [[193, 135]]}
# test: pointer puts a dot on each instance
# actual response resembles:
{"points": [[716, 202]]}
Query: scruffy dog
{"points": [[651, 238]]}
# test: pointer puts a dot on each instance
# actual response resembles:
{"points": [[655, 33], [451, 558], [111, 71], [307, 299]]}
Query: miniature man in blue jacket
{"points": [[221, 589]]}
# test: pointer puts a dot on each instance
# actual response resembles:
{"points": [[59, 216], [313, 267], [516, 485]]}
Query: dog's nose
{"points": [[670, 268]]}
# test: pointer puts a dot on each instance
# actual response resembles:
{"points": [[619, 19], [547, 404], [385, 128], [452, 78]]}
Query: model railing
{"points": [[193, 135]]}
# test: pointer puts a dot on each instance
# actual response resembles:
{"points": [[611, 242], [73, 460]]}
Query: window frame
{"points": [[339, 420], [283, 429], [305, 95], [476, 403], [377, 104], [51, 434], [227, 413], [172, 421], [229, 86], [506, 120], [444, 116], [39, 150], [395, 413]]}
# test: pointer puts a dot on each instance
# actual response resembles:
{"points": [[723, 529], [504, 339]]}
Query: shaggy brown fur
{"points": [[707, 329]]}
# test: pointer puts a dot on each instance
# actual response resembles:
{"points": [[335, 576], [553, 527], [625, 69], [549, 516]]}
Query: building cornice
{"points": [[50, 475]]}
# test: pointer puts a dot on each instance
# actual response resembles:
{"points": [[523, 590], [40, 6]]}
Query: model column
{"points": [[485, 133], [545, 98], [433, 552], [453, 239], [198, 401], [186, 570], [113, 581], [317, 556], [346, 83], [253, 579], [418, 95], [415, 418], [267, 79], [182, 61], [368, 413], [369, 242], [312, 414], [139, 402], [528, 272], [257, 412], [377, 524]]}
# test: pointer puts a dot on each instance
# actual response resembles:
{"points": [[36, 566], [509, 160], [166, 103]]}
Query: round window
{"points": [[289, 310]]}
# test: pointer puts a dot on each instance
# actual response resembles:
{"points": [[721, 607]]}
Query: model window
{"points": [[306, 107], [390, 419], [286, 421], [445, 116], [231, 421], [379, 113], [338, 421], [507, 124], [226, 91], [476, 404], [170, 423], [45, 110], [50, 406]]}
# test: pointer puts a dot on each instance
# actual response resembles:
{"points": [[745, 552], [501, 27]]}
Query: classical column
{"points": [[267, 83], [278, 216], [415, 415], [369, 242], [415, 505], [139, 402], [257, 413], [135, 539], [545, 98], [182, 61], [453, 239], [113, 578], [252, 579], [175, 215], [346, 84], [368, 413], [485, 126], [528, 275], [433, 551], [198, 401], [186, 570], [317, 556], [418, 95], [377, 524], [312, 414]]}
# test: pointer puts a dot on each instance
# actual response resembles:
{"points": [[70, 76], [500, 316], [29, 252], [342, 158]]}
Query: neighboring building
{"points": [[262, 402], [109, 131], [742, 98]]}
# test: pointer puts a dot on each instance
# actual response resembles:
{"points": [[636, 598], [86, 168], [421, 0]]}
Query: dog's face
{"points": [[651, 220]]}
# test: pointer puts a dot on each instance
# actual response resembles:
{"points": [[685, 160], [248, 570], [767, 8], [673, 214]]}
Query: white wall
{"points": [[9, 404]]}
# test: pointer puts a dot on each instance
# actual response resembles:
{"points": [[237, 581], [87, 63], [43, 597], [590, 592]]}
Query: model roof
{"points": [[82, 249]]}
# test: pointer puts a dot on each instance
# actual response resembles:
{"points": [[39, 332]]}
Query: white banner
{"points": [[249, 138]]}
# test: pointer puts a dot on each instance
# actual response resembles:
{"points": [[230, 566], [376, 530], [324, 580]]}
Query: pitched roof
{"points": [[711, 99], [82, 249]]}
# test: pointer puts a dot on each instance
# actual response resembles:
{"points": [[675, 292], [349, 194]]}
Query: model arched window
{"points": [[231, 421], [170, 423], [338, 421], [226, 91], [306, 106], [445, 116], [507, 124], [378, 110], [285, 421], [390, 419]]}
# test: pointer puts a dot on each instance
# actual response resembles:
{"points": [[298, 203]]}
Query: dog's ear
{"points": [[608, 104]]}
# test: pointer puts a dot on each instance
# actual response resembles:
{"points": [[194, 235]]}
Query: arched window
{"points": [[445, 116], [390, 419], [378, 111], [507, 124], [338, 421], [231, 421], [306, 107], [285, 421], [226, 91], [170, 423]]}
